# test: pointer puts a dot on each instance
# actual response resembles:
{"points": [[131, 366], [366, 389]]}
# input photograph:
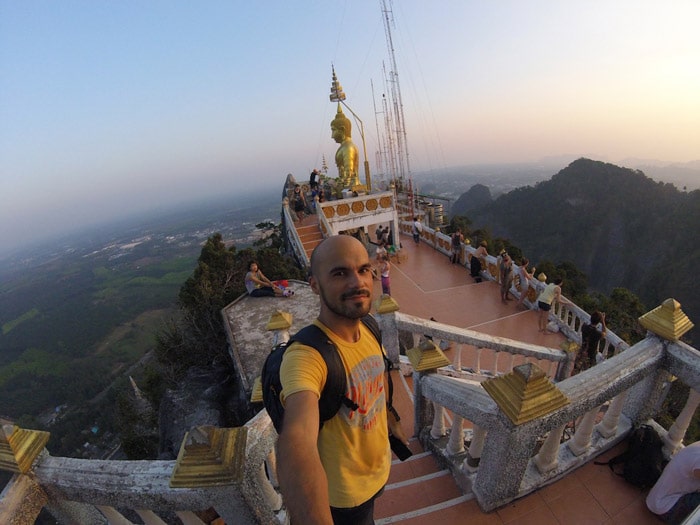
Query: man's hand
{"points": [[395, 428]]}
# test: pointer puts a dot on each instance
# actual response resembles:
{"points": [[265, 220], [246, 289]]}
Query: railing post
{"points": [[390, 332], [547, 458], [582, 438], [674, 436], [475, 447], [422, 408], [608, 426], [437, 429], [271, 463], [271, 496], [455, 445]]}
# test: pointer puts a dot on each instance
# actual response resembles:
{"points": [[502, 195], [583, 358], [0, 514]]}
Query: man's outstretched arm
{"points": [[302, 479]]}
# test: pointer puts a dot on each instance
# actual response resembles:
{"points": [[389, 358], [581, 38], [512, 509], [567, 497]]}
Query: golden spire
{"points": [[427, 356], [525, 393], [667, 320]]}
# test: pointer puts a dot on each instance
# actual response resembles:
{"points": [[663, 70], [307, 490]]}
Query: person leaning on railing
{"points": [[548, 298], [586, 356]]}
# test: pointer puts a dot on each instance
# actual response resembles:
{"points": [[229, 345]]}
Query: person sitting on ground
{"points": [[260, 286], [677, 492], [590, 337]]}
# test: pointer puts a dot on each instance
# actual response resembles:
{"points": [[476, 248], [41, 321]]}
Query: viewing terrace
{"points": [[475, 460]]}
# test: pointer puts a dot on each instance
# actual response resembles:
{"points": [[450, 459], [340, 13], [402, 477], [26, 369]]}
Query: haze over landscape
{"points": [[114, 108]]}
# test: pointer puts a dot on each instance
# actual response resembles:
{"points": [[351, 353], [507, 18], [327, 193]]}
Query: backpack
{"points": [[333, 394], [643, 461]]}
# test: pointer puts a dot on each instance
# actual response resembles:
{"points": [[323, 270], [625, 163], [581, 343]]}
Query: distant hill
{"points": [[477, 197], [615, 224]]}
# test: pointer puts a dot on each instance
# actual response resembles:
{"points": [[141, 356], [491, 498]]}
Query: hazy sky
{"points": [[109, 107]]}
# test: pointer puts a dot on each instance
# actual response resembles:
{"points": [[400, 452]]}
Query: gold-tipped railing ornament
{"points": [[387, 304], [525, 393], [210, 456], [667, 320], [19, 447], [279, 321], [427, 356]]}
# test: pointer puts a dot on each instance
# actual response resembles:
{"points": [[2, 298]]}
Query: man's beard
{"points": [[345, 308]]}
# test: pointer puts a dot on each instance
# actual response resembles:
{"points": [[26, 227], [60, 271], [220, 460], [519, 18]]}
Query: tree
{"points": [[623, 310], [461, 222], [214, 283], [197, 338]]}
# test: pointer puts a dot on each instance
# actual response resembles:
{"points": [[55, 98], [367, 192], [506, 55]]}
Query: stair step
{"points": [[418, 495], [310, 236], [432, 513]]}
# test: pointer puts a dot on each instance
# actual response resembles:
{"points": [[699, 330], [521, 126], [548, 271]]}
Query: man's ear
{"points": [[314, 284]]}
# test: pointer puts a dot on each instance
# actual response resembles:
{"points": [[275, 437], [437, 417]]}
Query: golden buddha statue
{"points": [[347, 157]]}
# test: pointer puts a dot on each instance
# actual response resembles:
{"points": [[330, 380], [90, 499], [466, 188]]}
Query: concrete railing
{"points": [[232, 471], [621, 392], [293, 237]]}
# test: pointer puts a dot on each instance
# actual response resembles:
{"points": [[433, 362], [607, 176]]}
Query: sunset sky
{"points": [[115, 107]]}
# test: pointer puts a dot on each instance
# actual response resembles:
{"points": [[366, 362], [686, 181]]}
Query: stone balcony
{"points": [[495, 464]]}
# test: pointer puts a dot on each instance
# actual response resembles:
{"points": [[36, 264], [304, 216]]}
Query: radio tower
{"points": [[396, 128]]}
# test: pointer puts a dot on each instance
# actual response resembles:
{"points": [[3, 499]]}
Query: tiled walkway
{"points": [[425, 284]]}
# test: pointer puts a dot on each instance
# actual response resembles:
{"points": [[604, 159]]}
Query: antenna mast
{"points": [[399, 129]]}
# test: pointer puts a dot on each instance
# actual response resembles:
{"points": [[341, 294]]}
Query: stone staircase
{"points": [[420, 491], [310, 234]]}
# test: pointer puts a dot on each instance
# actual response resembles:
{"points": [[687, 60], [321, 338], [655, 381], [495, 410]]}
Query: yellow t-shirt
{"points": [[353, 445]]}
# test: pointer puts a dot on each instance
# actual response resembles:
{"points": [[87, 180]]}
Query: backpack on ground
{"points": [[333, 394], [643, 461]]}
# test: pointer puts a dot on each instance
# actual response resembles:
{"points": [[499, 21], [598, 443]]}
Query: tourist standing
{"points": [[457, 240], [590, 338], [505, 270], [525, 276], [384, 268], [334, 475], [416, 230]]}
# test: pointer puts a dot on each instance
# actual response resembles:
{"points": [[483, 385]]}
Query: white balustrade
{"points": [[546, 458], [674, 438], [455, 445], [608, 426], [582, 437]]}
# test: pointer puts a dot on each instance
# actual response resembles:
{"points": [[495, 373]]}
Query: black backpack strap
{"points": [[371, 323], [333, 393]]}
